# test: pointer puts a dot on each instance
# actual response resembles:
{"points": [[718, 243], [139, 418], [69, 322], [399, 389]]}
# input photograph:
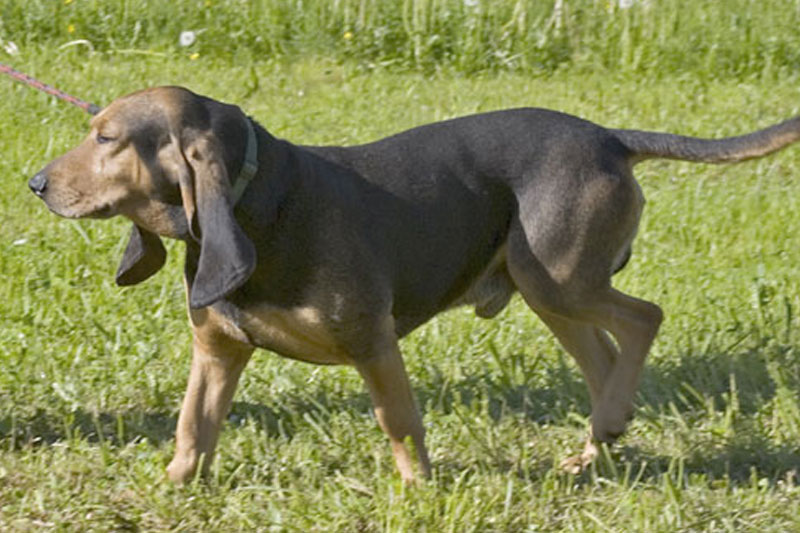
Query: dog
{"points": [[330, 254]]}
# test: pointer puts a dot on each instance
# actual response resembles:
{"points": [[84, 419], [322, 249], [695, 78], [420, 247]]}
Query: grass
{"points": [[92, 375], [733, 38]]}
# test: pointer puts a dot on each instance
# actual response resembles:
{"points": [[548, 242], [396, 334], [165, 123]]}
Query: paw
{"points": [[181, 469], [579, 463], [574, 465]]}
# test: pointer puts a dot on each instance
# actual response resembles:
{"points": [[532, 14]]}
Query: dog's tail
{"points": [[649, 145]]}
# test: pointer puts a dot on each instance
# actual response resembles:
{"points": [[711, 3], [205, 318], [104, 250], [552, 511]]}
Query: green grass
{"points": [[732, 38], [91, 375]]}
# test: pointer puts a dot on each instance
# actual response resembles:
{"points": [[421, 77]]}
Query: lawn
{"points": [[91, 375]]}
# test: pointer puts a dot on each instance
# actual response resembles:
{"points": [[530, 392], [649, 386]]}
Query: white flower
{"points": [[187, 38], [471, 3], [625, 4], [10, 48]]}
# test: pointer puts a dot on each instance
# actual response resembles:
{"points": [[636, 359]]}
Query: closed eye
{"points": [[102, 139]]}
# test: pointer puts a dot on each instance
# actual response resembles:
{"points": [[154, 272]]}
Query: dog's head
{"points": [[162, 158]]}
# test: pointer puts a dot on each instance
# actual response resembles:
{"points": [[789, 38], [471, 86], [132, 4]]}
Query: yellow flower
{"points": [[71, 28], [347, 35], [67, 2], [194, 56]]}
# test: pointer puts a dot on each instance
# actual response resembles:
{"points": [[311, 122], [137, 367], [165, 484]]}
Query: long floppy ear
{"points": [[227, 256], [143, 257]]}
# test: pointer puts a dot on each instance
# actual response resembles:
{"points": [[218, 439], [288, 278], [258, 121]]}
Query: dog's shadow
{"points": [[117, 428], [686, 386]]}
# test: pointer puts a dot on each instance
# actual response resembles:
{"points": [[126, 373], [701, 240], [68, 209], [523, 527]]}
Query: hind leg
{"points": [[634, 324], [592, 349], [612, 374], [580, 320], [561, 262], [596, 355]]}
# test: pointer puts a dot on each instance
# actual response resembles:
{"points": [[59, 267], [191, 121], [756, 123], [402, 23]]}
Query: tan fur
{"points": [[299, 333]]}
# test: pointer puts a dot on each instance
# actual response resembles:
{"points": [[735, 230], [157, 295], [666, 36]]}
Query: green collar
{"points": [[249, 166]]}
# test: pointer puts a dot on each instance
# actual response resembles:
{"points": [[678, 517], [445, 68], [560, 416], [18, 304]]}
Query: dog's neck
{"points": [[249, 166]]}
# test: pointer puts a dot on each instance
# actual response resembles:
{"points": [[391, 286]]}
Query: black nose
{"points": [[38, 183]]}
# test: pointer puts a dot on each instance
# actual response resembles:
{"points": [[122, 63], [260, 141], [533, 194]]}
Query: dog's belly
{"points": [[298, 333]]}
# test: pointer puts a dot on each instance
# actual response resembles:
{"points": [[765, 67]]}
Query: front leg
{"points": [[395, 408], [217, 363]]}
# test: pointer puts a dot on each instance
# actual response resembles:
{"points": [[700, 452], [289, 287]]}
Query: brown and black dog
{"points": [[331, 254]]}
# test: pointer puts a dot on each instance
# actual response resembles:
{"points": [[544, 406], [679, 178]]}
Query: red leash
{"points": [[36, 84]]}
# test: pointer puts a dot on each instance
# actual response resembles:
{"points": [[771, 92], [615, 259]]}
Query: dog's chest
{"points": [[298, 332]]}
